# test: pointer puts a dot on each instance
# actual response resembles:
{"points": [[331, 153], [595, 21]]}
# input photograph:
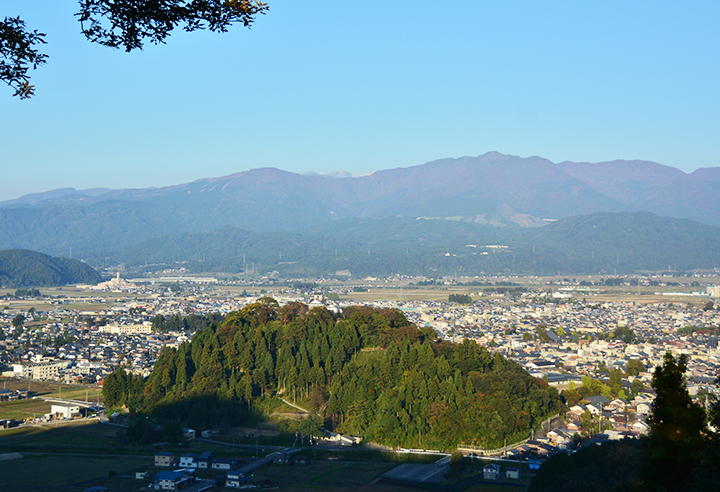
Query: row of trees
{"points": [[367, 371], [460, 298], [192, 322]]}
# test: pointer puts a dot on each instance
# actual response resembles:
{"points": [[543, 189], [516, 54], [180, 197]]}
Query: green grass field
{"points": [[90, 437], [22, 409], [321, 475], [29, 408], [62, 437], [67, 456], [53, 389], [47, 472]]}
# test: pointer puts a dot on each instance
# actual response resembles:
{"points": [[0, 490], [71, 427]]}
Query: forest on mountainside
{"points": [[365, 371], [602, 242], [24, 268]]}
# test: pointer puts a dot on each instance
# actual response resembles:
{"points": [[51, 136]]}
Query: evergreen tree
{"points": [[676, 427]]}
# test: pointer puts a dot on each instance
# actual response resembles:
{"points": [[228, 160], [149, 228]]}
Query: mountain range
{"points": [[466, 199]]}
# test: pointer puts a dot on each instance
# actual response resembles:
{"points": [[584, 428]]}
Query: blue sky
{"points": [[363, 86]]}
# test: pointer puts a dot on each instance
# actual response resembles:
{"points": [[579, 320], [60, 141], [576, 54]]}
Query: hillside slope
{"points": [[24, 268]]}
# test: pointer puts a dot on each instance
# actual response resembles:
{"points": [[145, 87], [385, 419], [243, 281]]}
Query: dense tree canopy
{"points": [[129, 24], [367, 371], [126, 24], [460, 298]]}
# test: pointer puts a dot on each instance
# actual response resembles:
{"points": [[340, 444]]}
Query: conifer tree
{"points": [[676, 427]]}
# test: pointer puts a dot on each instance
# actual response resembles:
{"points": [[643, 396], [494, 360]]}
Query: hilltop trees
{"points": [[122, 389], [126, 24], [366, 371]]}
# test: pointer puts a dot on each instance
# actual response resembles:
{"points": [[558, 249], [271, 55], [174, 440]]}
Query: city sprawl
{"points": [[570, 336]]}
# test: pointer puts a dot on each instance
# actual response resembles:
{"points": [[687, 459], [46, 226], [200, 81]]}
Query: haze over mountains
{"points": [[470, 199]]}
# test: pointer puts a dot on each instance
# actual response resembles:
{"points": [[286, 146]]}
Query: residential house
{"points": [[641, 427], [346, 440], [491, 472], [172, 479], [561, 437], [512, 472], [617, 404], [164, 459], [236, 479], [643, 408], [188, 460], [188, 434], [599, 401], [65, 410], [205, 459], [223, 464]]}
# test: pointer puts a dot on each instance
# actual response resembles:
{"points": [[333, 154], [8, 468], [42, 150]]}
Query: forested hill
{"points": [[24, 268], [623, 242], [367, 372]]}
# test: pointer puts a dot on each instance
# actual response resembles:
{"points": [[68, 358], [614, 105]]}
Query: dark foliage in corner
{"points": [[18, 53], [128, 25], [681, 453]]}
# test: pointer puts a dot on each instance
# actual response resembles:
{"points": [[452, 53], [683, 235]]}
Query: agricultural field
{"points": [[77, 436], [41, 472], [323, 475], [30, 408], [75, 455], [51, 389], [22, 409]]}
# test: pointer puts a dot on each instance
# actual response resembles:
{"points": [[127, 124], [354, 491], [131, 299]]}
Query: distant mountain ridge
{"points": [[603, 242], [493, 189]]}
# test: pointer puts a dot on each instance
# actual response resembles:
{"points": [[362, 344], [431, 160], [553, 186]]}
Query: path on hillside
{"points": [[295, 406]]}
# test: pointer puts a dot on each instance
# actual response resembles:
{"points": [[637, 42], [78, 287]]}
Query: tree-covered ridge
{"points": [[25, 268], [418, 394], [367, 371]]}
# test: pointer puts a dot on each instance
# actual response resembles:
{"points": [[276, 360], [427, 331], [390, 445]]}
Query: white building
{"points": [[65, 410], [116, 329], [38, 370]]}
